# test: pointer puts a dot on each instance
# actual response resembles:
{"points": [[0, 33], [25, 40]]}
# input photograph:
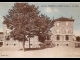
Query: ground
{"points": [[55, 52]]}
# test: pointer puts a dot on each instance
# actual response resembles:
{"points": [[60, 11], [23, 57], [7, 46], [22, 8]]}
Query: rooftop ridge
{"points": [[63, 19]]}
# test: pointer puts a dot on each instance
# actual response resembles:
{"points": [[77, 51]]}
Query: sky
{"points": [[51, 9]]}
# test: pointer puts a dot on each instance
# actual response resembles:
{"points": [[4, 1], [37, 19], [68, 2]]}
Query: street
{"points": [[55, 52]]}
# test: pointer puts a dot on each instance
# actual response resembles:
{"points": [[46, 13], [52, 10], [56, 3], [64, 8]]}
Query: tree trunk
{"points": [[29, 42], [24, 45]]}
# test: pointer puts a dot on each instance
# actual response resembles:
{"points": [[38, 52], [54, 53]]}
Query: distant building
{"points": [[1, 39], [63, 32], [77, 43]]}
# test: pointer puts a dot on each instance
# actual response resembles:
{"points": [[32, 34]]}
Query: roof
{"points": [[1, 32], [64, 19]]}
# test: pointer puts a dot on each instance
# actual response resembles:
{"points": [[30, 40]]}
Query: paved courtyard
{"points": [[55, 52]]}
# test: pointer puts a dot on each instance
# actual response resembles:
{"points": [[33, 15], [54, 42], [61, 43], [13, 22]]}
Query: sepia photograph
{"points": [[39, 29]]}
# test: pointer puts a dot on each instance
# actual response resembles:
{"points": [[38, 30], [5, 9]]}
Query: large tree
{"points": [[24, 19]]}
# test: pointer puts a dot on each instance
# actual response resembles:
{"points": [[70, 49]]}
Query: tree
{"points": [[44, 24], [23, 19]]}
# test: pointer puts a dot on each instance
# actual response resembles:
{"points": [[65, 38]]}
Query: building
{"points": [[10, 42], [77, 43], [63, 32], [1, 39]]}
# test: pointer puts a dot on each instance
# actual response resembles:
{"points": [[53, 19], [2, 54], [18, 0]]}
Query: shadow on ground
{"points": [[29, 49]]}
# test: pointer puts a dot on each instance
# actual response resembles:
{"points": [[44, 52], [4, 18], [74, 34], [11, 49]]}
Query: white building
{"points": [[63, 32]]}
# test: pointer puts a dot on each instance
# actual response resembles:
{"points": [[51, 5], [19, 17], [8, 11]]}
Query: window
{"points": [[30, 44], [57, 44], [57, 24], [7, 31], [66, 30], [58, 37], [7, 44], [48, 37], [14, 44], [67, 23], [1, 40], [66, 44], [67, 37]]}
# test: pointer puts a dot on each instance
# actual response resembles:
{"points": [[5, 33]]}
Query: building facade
{"points": [[10, 42], [63, 32]]}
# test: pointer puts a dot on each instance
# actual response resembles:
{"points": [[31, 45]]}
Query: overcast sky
{"points": [[51, 9]]}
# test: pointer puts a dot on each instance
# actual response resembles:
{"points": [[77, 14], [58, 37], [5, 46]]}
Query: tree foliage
{"points": [[24, 19]]}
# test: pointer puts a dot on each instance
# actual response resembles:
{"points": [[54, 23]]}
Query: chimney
{"points": [[71, 17]]}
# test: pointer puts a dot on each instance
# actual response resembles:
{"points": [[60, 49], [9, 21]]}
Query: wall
{"points": [[61, 29]]}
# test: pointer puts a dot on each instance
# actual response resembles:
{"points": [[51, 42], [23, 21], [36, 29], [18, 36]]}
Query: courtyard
{"points": [[55, 52]]}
